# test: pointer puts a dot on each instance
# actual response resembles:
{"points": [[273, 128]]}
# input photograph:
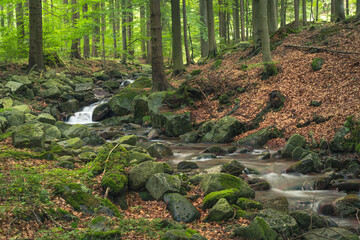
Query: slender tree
{"points": [[236, 20], [157, 62], [333, 10], [211, 29], [304, 12], [74, 51], [256, 24], [178, 65], [357, 7], [86, 48], [186, 41], [339, 10], [143, 31], [130, 19], [242, 19], [36, 55], [283, 13], [203, 29], [272, 16], [95, 41], [123, 31], [2, 20], [296, 12], [347, 8], [317, 11], [148, 34]]}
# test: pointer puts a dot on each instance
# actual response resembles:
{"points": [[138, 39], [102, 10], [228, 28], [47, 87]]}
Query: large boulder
{"points": [[259, 138], [224, 130], [310, 163], [121, 104], [116, 180], [4, 124], [139, 174], [234, 168], [70, 106], [221, 181], [258, 229], [311, 220], [231, 195], [161, 183], [101, 112], [14, 118], [294, 141], [336, 144], [15, 87], [220, 212], [74, 143], [180, 208], [246, 204], [347, 206], [81, 87], [282, 223], [140, 108], [46, 118], [159, 150], [89, 136], [21, 79], [333, 233], [29, 135], [177, 124], [52, 133]]}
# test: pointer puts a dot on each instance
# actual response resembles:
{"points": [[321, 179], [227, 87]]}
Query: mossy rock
{"points": [[139, 157], [220, 212], [121, 103], [260, 138], [103, 235], [141, 82], [258, 229], [223, 130], [139, 174], [234, 168], [29, 135], [74, 143], [282, 223], [221, 181], [311, 220], [116, 180], [347, 206], [246, 204], [127, 139], [231, 195], [317, 64], [176, 234], [66, 164], [294, 141], [195, 72], [243, 214]]}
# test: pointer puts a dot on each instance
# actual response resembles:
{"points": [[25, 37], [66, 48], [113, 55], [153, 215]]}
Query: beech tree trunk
{"points": [[74, 51], [222, 20], [347, 8], [95, 41], [256, 24], [296, 12], [203, 28], [10, 16], [123, 31], [242, 19], [86, 37], [186, 41], [148, 34], [211, 29], [272, 16], [317, 11], [358, 8], [236, 20], [304, 12], [339, 10], [333, 17], [157, 63], [143, 31], [283, 13], [36, 55], [177, 55], [130, 28]]}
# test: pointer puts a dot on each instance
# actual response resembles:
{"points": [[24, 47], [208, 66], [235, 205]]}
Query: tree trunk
{"points": [[10, 16], [103, 30], [96, 34], [20, 20], [283, 13], [339, 10], [203, 29], [296, 11], [177, 55], [148, 34], [242, 19], [130, 28], [236, 20], [317, 11], [36, 55], [2, 20], [143, 31], [158, 75], [86, 37], [265, 40], [222, 21], [333, 10], [304, 12], [123, 31], [186, 41], [272, 16], [347, 8], [256, 24], [247, 19], [74, 51], [114, 33], [211, 29], [358, 8]]}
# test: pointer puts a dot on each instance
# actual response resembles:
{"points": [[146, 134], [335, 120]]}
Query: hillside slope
{"points": [[336, 85]]}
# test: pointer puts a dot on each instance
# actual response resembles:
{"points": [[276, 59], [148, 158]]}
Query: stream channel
{"points": [[297, 188]]}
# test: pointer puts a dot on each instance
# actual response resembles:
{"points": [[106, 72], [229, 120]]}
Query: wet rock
{"points": [[161, 183], [140, 108], [180, 208], [221, 181], [223, 131], [177, 124], [139, 174], [294, 141], [139, 157], [260, 138], [154, 134], [220, 212], [282, 223], [258, 229], [311, 220], [231, 195], [234, 168], [215, 150], [46, 118], [175, 234], [307, 165], [88, 136], [187, 165], [70, 106], [326, 207], [336, 144], [81, 87], [101, 112], [29, 136], [330, 233], [347, 206], [323, 182], [159, 150], [347, 185], [189, 137], [260, 185], [247, 204], [204, 156], [127, 139], [121, 103], [331, 162]]}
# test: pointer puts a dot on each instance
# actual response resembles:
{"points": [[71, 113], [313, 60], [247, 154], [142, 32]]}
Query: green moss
{"points": [[317, 64], [212, 198], [109, 208], [243, 214], [245, 204], [216, 64], [196, 72], [115, 180], [103, 235]]}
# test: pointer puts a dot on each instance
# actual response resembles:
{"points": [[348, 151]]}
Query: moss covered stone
{"points": [[246, 204], [139, 174], [103, 235], [294, 141], [260, 138], [317, 64], [176, 234], [258, 229], [231, 195], [127, 139], [139, 157], [220, 212], [29, 135], [74, 143], [121, 104], [116, 180]]}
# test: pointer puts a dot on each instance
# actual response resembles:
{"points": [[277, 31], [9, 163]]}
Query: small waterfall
{"points": [[85, 115]]}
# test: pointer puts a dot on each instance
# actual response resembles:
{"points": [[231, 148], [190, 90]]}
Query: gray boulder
{"points": [[311, 163], [294, 141], [161, 183], [159, 150], [257, 230], [29, 135], [140, 108], [83, 87], [15, 87], [333, 233], [224, 130], [74, 143], [347, 206], [21, 79], [260, 138], [336, 144], [52, 133], [70, 106], [53, 92], [234, 168], [175, 234], [46, 118], [4, 124], [220, 212], [89, 136], [180, 208], [139, 174], [178, 124], [311, 220], [101, 112], [14, 118]]}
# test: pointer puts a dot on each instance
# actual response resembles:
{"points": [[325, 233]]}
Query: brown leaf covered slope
{"points": [[336, 85]]}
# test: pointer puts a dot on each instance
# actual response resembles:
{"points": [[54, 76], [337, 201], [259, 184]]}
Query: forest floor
{"points": [[336, 86]]}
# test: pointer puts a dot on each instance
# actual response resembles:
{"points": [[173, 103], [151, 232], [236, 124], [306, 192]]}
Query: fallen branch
{"points": [[321, 49]]}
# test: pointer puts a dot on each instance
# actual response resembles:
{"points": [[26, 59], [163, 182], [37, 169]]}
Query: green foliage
{"points": [[352, 142], [317, 64]]}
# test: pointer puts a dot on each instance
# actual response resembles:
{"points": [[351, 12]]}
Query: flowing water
{"points": [[297, 188]]}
